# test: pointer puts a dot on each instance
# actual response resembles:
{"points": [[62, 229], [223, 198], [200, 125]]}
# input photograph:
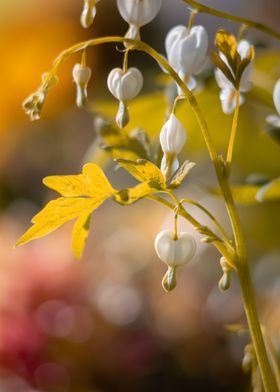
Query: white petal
{"points": [[228, 100], [276, 96], [175, 252], [138, 12], [222, 80], [243, 48], [172, 136], [273, 120]]}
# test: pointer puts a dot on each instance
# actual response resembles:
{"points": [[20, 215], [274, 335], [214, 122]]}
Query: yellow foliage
{"points": [[82, 194]]}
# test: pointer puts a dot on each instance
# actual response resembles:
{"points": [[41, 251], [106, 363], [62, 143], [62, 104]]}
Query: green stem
{"points": [[233, 132], [249, 302], [224, 15]]}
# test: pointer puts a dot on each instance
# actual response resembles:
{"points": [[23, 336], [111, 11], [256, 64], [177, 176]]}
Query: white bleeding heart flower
{"points": [[138, 13], [228, 91], [175, 252], [88, 13], [124, 85], [274, 119], [187, 51], [172, 139], [81, 76]]}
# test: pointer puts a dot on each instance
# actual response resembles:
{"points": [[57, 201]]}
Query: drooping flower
{"points": [[274, 119], [125, 86], [88, 13], [174, 252], [172, 139], [34, 103], [138, 13], [81, 77], [228, 90], [187, 51]]}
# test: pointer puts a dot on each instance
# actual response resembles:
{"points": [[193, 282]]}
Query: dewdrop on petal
{"points": [[88, 13], [172, 139], [125, 86], [274, 119], [175, 252], [137, 13], [81, 77]]}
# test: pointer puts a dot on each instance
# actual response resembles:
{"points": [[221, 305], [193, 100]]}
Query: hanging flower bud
{"points": [[274, 119], [174, 252], [172, 139], [81, 77], [187, 52], [224, 283], [138, 13], [124, 86], [33, 104], [88, 13], [228, 91]]}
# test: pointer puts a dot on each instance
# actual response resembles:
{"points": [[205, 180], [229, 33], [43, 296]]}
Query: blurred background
{"points": [[105, 323]]}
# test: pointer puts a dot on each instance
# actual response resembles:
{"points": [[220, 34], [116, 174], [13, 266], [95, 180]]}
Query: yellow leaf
{"points": [[92, 183], [181, 174], [80, 234], [82, 193], [226, 43], [144, 171], [56, 213], [131, 195]]}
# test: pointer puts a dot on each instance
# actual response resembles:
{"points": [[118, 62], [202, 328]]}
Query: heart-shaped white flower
{"points": [[125, 85], [175, 252], [138, 12]]}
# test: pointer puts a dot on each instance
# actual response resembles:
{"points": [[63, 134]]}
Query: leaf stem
{"points": [[224, 15], [233, 132]]}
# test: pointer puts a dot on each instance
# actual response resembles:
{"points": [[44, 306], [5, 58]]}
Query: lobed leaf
{"points": [[56, 213], [144, 171], [80, 234], [91, 183], [82, 194]]}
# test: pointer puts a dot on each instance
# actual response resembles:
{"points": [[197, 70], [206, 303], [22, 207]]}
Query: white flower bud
{"points": [[175, 252], [274, 119], [125, 85], [81, 77], [88, 13], [172, 139], [228, 92], [138, 12], [187, 51]]}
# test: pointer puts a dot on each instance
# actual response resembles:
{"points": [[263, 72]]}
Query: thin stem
{"points": [[233, 132], [191, 19], [255, 329], [208, 213], [224, 15]]}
